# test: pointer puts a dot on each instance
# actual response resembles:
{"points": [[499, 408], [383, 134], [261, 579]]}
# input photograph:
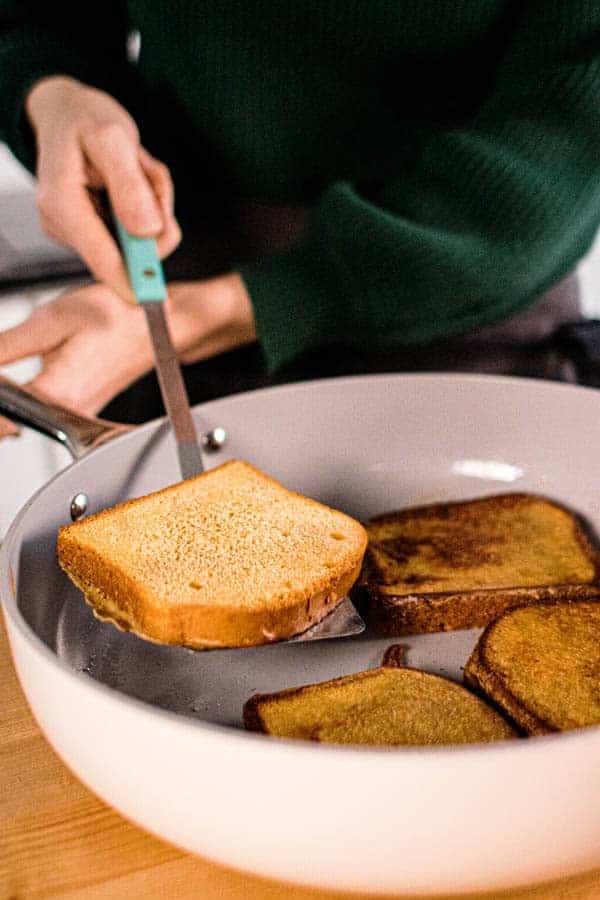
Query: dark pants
{"points": [[522, 345]]}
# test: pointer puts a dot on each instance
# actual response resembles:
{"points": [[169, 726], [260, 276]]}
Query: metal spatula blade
{"points": [[148, 283], [343, 621], [173, 391]]}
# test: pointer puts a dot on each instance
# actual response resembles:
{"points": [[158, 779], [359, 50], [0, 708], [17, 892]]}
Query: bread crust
{"points": [[481, 677], [120, 599], [426, 613], [399, 614], [489, 685]]}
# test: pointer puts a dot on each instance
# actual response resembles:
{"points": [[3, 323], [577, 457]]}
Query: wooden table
{"points": [[58, 840]]}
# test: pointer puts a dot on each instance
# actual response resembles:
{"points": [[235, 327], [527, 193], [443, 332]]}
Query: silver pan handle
{"points": [[77, 433]]}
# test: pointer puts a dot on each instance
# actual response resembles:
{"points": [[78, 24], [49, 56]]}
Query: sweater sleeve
{"points": [[491, 214], [38, 39]]}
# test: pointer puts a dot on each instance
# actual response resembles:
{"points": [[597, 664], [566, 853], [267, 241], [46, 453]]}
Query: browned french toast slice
{"points": [[461, 565], [541, 665], [388, 706]]}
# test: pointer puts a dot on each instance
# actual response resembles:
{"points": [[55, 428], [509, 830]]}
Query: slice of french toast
{"points": [[462, 564], [230, 558], [541, 666], [388, 706]]}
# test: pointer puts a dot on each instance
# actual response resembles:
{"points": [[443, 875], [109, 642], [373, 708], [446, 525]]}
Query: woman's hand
{"points": [[87, 141], [93, 345]]}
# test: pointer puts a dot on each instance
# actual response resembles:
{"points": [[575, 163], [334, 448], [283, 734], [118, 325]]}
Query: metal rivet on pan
{"points": [[214, 439], [79, 505]]}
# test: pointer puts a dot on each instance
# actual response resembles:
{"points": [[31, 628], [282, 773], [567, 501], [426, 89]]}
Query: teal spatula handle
{"points": [[143, 265]]}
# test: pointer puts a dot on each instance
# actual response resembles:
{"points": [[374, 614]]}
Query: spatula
{"points": [[148, 284]]}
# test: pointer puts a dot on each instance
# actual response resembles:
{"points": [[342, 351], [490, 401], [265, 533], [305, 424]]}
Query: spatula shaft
{"points": [[173, 391]]}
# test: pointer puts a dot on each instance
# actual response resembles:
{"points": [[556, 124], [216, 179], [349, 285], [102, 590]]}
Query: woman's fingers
{"points": [[83, 229], [60, 384], [36, 336], [97, 247], [160, 178], [7, 428], [114, 153], [106, 347], [68, 215], [88, 142], [162, 184]]}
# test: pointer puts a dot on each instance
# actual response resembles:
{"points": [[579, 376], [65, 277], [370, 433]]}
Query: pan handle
{"points": [[77, 433]]}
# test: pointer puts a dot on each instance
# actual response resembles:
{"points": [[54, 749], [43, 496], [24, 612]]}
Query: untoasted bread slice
{"points": [[541, 665], [385, 706], [461, 565], [230, 558]]}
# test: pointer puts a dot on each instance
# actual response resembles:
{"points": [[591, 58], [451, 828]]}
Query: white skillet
{"points": [[156, 731]]}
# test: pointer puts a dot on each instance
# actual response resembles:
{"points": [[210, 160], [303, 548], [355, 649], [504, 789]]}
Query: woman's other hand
{"points": [[92, 345], [86, 142]]}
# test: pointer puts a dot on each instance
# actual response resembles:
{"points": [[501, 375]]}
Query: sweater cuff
{"points": [[296, 307]]}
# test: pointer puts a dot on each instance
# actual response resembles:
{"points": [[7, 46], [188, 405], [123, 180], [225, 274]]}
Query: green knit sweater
{"points": [[451, 150]]}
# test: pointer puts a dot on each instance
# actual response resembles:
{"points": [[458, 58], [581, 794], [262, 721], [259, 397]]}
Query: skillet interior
{"points": [[365, 445]]}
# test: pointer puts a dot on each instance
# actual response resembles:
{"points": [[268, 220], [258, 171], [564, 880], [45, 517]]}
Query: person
{"points": [[382, 184]]}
